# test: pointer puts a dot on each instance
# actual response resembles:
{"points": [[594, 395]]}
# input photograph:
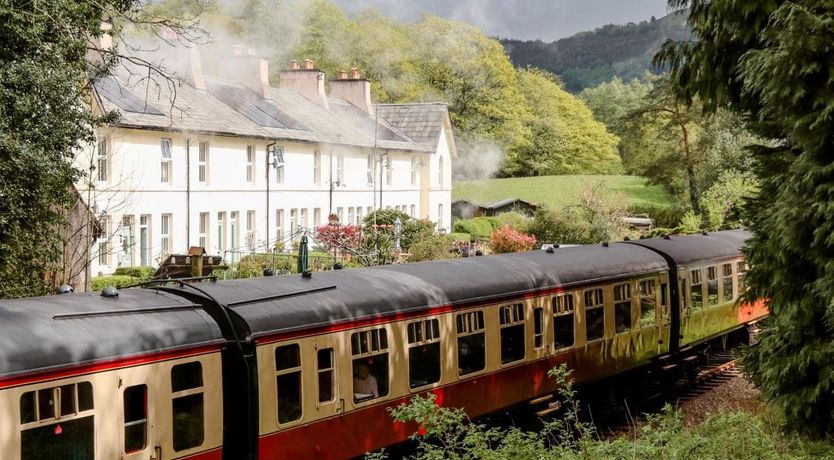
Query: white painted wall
{"points": [[134, 189]]}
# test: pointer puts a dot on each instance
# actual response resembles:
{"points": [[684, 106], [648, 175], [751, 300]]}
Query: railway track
{"points": [[621, 416]]}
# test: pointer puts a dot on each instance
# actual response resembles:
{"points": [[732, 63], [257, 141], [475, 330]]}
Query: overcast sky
{"points": [[523, 19]]}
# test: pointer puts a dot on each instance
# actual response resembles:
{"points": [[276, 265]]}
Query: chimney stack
{"points": [[194, 73], [307, 81], [246, 68], [101, 45], [356, 90]]}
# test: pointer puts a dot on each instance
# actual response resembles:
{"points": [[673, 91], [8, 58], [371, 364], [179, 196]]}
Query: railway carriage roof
{"points": [[360, 294], [690, 249], [43, 333]]}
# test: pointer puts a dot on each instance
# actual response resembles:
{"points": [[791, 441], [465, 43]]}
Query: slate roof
{"points": [[228, 108], [421, 122]]}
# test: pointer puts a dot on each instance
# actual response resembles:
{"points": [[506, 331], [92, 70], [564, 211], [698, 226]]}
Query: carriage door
{"points": [[137, 438], [327, 396]]}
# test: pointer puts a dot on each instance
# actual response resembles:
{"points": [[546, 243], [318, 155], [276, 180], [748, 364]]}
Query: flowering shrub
{"points": [[505, 239], [337, 236]]}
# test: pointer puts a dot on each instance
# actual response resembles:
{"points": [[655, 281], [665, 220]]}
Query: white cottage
{"points": [[233, 164]]}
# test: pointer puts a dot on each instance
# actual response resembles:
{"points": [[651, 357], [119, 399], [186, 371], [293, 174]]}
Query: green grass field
{"points": [[557, 191]]}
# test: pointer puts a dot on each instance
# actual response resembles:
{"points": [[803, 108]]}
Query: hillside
{"points": [[557, 191], [590, 58]]}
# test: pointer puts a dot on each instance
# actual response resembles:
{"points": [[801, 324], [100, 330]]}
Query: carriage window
{"points": [[423, 353], [538, 327], [741, 268], [594, 314], [696, 295], [648, 303], [187, 404], [727, 281], [50, 403], [471, 342], [288, 382], [622, 307], [370, 364], [562, 321], [136, 418], [712, 286], [512, 333], [326, 375], [664, 300]]}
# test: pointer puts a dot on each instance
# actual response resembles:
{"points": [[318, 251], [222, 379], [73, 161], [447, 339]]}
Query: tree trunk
{"points": [[690, 171]]}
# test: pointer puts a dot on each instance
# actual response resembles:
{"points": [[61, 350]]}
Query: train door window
{"points": [[696, 295], [423, 353], [471, 342], [288, 382], [727, 281], [43, 412], [562, 321], [512, 333], [187, 405], [622, 307], [594, 314], [369, 350], [327, 377], [538, 327], [135, 403], [664, 300], [712, 286], [741, 269], [648, 302]]}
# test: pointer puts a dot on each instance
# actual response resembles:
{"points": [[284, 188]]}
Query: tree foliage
{"points": [[771, 62]]}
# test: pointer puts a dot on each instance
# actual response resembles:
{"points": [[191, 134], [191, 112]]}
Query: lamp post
{"points": [[398, 225]]}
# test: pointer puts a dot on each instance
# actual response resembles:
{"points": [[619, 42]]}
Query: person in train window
{"points": [[364, 384]]}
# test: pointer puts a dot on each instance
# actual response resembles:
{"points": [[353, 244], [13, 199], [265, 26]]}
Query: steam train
{"points": [[292, 367]]}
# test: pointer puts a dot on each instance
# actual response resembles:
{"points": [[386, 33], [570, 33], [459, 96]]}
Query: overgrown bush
{"points": [[516, 220], [135, 272], [664, 216], [722, 202], [464, 237], [431, 247], [118, 281], [447, 433], [690, 222], [505, 240], [480, 228]]}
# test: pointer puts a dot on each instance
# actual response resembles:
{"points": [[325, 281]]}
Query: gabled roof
{"points": [[422, 122], [228, 108]]}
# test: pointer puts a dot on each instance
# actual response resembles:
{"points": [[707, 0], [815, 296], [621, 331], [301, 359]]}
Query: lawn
{"points": [[557, 191]]}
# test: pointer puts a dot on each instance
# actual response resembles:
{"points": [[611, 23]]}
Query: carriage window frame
{"points": [[56, 393], [622, 298], [696, 279], [727, 275], [538, 328], [511, 319], [424, 333], [197, 388], [741, 270], [291, 370], [136, 422], [593, 299], [469, 325], [375, 345], [325, 370], [649, 295], [561, 310], [712, 283]]}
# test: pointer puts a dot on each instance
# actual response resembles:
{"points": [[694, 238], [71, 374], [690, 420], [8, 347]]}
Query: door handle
{"points": [[157, 453]]}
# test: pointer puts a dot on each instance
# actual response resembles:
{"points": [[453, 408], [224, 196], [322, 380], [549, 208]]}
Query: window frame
{"points": [[692, 284], [103, 160], [628, 300], [653, 296], [712, 275], [426, 327], [386, 350], [299, 369], [725, 276], [144, 421], [511, 319], [474, 321], [191, 391], [560, 309], [599, 304], [320, 370], [56, 389], [250, 164], [203, 153], [538, 329]]}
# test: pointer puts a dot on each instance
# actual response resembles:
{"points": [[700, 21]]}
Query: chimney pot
{"points": [[354, 71], [294, 65], [342, 75], [309, 64]]}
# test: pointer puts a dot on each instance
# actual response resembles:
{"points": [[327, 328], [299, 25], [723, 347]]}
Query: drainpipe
{"points": [[266, 154], [188, 193]]}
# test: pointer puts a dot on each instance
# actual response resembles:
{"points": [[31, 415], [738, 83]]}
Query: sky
{"points": [[547, 20]]}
